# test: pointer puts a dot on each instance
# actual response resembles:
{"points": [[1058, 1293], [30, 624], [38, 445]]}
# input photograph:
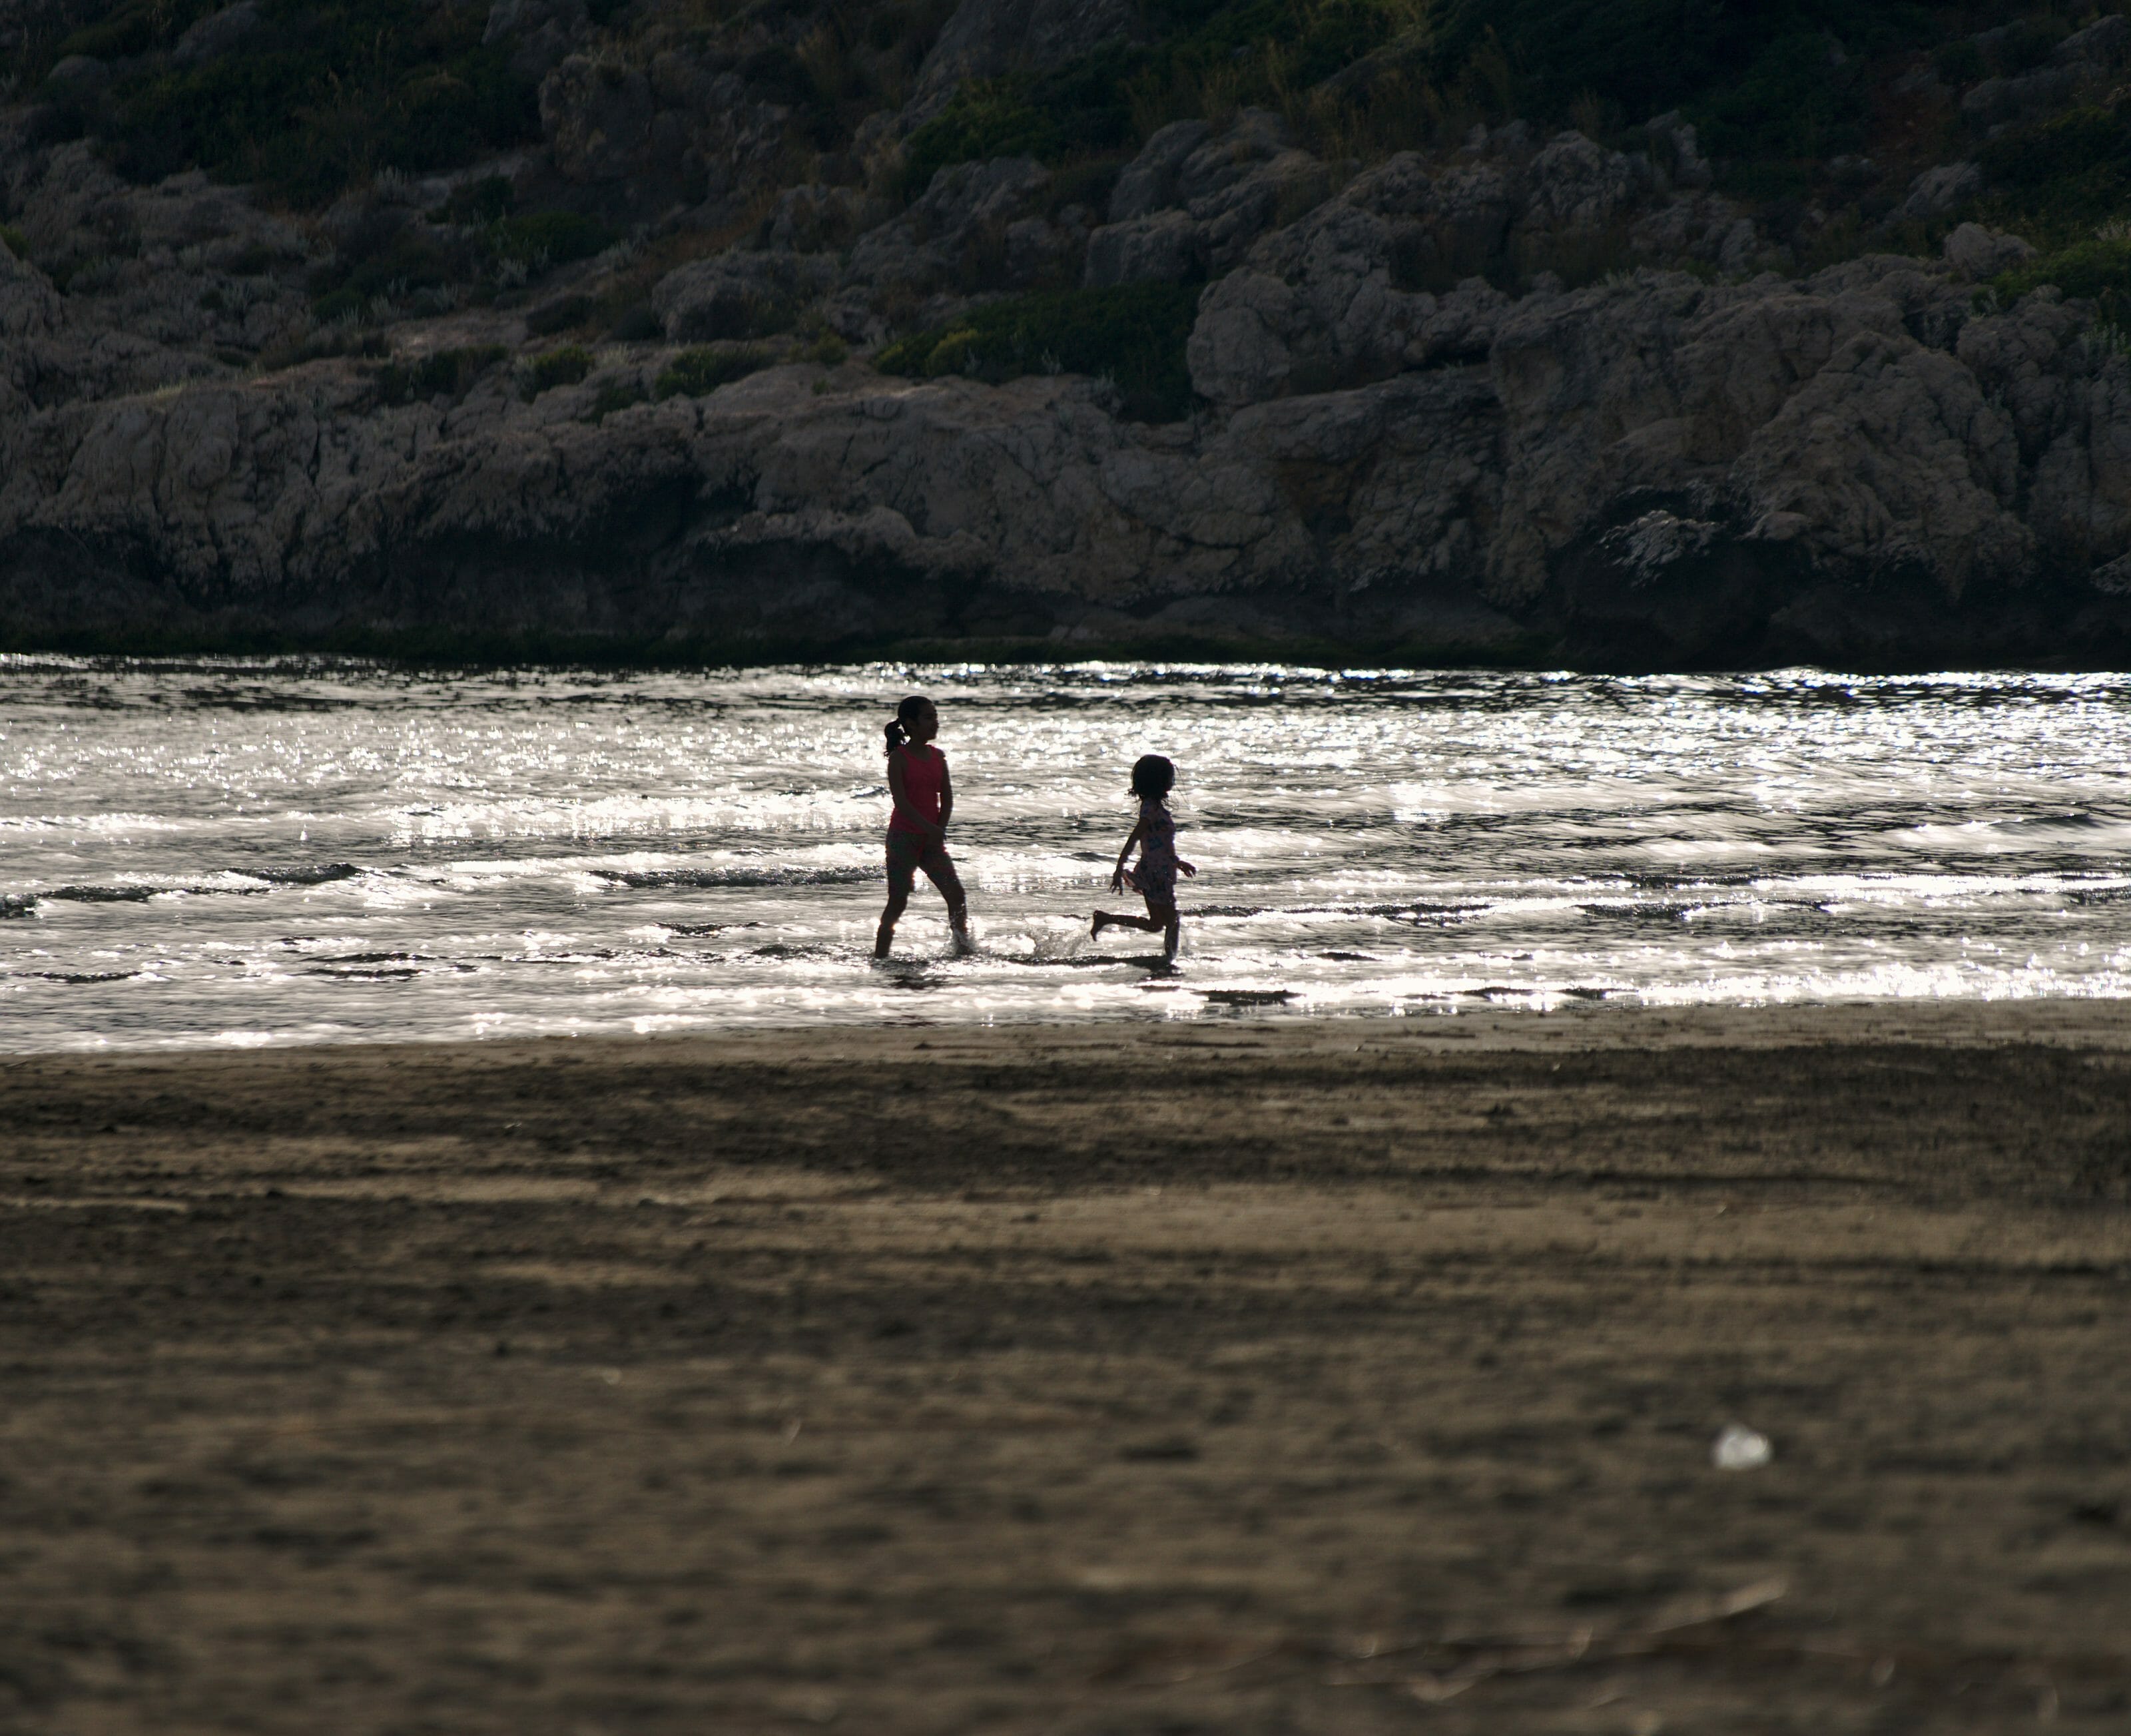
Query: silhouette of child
{"points": [[924, 802], [1155, 878]]}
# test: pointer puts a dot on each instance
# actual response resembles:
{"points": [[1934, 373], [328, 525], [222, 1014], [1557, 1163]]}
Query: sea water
{"points": [[229, 851]]}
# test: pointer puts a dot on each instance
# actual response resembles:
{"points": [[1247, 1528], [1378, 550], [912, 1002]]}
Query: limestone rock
{"points": [[1164, 248], [2105, 42], [1705, 225], [936, 245], [83, 77], [1575, 186], [1148, 183], [1676, 157], [543, 32], [740, 294], [1976, 252], [985, 38], [597, 116], [2078, 68], [1894, 460], [1940, 191], [213, 36], [1191, 205], [815, 219]]}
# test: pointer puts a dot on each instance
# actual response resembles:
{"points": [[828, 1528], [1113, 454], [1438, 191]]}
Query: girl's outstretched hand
{"points": [[1186, 868], [1117, 880]]}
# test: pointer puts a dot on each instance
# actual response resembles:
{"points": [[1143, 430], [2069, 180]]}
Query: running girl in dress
{"points": [[1155, 878], [924, 802]]}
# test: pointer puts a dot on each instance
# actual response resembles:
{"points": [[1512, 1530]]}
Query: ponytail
{"points": [[898, 730]]}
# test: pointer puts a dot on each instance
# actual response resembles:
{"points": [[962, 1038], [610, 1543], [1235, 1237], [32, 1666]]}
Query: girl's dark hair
{"points": [[899, 732], [1153, 776]]}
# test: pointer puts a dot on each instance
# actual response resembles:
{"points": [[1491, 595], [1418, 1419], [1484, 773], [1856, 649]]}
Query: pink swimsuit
{"points": [[924, 782]]}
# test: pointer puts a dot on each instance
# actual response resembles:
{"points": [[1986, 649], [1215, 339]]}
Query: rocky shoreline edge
{"points": [[1891, 463]]}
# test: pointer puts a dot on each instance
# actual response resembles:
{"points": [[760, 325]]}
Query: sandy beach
{"points": [[1226, 1376]]}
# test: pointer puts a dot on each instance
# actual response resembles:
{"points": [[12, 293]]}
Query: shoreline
{"points": [[1239, 1376], [2079, 1020], [1532, 652]]}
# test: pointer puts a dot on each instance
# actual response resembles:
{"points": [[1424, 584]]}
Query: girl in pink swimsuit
{"points": [[924, 802], [1155, 878]]}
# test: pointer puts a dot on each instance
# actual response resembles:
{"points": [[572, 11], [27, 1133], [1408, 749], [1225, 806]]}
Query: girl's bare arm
{"points": [[946, 796], [895, 788], [1118, 874]]}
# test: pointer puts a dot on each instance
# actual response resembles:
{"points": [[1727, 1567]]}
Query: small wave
{"points": [[365, 973], [385, 971], [314, 874], [80, 976], [2079, 895], [714, 879], [1652, 912], [2073, 820], [1248, 997], [1411, 911], [142, 894]]}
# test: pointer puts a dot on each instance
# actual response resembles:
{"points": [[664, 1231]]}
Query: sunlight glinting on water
{"points": [[242, 851]]}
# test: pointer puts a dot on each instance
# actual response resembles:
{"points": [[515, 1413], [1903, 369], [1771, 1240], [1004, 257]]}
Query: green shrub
{"points": [[985, 118], [330, 308], [325, 93], [1790, 102], [554, 237], [445, 373], [615, 395], [1959, 62], [559, 316], [1135, 335], [2061, 178], [696, 373], [638, 322], [1651, 55], [484, 201], [139, 28], [14, 241], [408, 262], [257, 259], [1090, 182], [1084, 107], [2098, 270], [564, 367]]}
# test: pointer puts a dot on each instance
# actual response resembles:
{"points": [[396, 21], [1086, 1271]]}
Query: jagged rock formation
{"points": [[1407, 435]]}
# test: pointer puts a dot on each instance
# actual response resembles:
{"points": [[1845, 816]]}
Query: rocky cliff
{"points": [[1525, 395]]}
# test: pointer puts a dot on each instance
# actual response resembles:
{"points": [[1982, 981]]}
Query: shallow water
{"points": [[240, 851]]}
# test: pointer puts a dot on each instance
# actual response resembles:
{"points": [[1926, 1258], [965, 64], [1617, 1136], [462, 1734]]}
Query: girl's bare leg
{"points": [[1172, 930], [958, 904], [1105, 919], [884, 935]]}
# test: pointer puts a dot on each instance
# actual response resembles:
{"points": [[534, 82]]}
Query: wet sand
{"points": [[1228, 1377]]}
